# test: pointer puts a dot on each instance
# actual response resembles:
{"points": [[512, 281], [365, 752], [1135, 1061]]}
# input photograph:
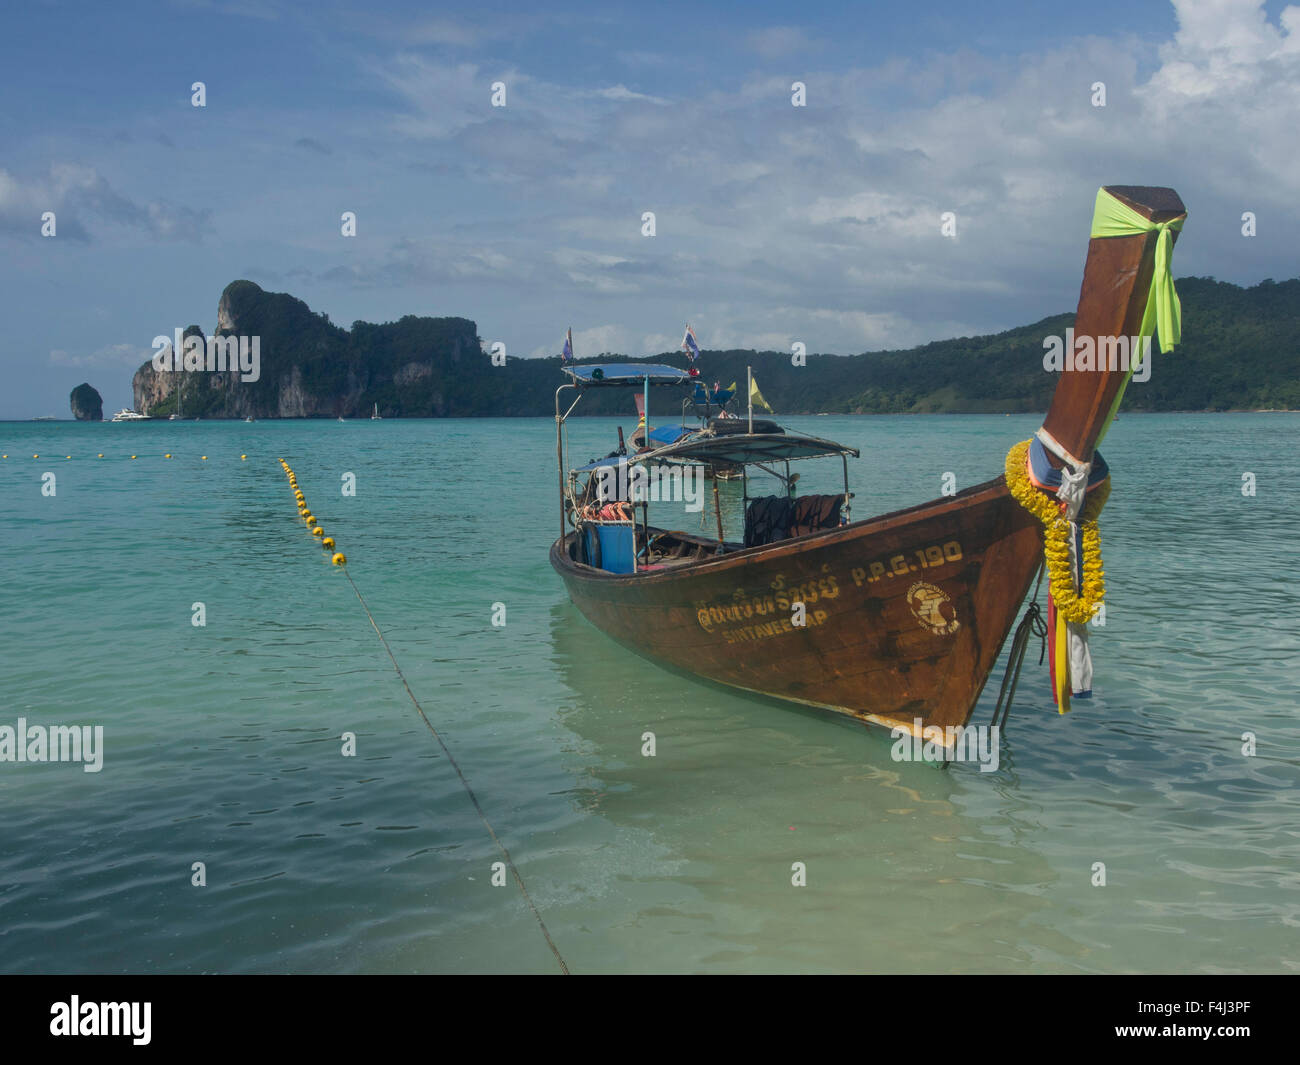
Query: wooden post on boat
{"points": [[1112, 302], [717, 510], [559, 455]]}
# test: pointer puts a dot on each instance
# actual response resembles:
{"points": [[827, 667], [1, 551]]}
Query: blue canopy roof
{"points": [[627, 374], [669, 434]]}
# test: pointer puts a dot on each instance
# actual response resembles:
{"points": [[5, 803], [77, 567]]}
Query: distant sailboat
{"points": [[375, 417]]}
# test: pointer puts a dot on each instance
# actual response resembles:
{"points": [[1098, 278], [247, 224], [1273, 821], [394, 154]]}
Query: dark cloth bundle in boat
{"points": [[767, 520], [814, 513], [772, 518], [730, 426]]}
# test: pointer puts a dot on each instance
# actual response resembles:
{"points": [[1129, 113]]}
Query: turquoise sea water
{"points": [[222, 743]]}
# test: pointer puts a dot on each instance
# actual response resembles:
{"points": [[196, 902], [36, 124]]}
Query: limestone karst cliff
{"points": [[298, 364]]}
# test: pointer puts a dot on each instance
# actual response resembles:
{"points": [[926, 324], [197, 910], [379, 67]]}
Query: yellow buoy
{"points": [[328, 543], [36, 456], [101, 454], [67, 456], [243, 458], [318, 531], [311, 521], [133, 456], [168, 455], [205, 458], [339, 559]]}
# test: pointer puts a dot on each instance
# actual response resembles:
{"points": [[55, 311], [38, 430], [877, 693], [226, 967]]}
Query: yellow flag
{"points": [[756, 397]]}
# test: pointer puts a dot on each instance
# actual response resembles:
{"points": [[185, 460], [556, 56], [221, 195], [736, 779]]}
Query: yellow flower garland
{"points": [[1056, 539]]}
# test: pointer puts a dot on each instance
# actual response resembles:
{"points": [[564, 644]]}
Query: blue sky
{"points": [[819, 224]]}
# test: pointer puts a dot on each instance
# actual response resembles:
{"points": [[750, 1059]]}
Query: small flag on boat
{"points": [[756, 397], [689, 345], [567, 354]]}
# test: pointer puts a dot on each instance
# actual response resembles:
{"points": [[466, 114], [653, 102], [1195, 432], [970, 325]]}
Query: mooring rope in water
{"points": [[465, 783], [339, 560], [1032, 624]]}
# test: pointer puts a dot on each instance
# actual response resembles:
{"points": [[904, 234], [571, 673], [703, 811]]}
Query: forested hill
{"points": [[1240, 351]]}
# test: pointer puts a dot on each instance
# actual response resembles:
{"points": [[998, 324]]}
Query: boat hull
{"points": [[904, 614]]}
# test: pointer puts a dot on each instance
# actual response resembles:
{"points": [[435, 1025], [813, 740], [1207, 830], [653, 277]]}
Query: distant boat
{"points": [[46, 418], [250, 418], [126, 414], [375, 417], [173, 417]]}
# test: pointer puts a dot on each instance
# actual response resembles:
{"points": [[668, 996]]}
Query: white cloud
{"points": [[824, 222], [622, 92], [74, 192]]}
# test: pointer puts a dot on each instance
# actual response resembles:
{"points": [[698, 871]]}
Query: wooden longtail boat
{"points": [[904, 615]]}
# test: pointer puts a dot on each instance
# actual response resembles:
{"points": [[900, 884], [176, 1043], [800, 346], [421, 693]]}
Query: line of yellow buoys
{"points": [[168, 455], [327, 542]]}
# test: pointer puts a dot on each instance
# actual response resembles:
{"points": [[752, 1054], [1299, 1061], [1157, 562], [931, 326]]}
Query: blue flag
{"points": [[689, 345]]}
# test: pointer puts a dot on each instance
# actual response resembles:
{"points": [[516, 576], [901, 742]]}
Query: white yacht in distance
{"points": [[375, 417], [126, 414]]}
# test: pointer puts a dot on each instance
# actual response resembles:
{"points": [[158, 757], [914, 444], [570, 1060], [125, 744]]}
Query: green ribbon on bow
{"points": [[1110, 218], [1164, 311]]}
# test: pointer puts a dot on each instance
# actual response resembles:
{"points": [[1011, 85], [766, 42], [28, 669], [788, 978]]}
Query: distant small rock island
{"points": [[87, 404], [1240, 350]]}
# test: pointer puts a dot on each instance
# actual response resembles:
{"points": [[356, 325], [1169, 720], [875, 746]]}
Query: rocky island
{"points": [[87, 404]]}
